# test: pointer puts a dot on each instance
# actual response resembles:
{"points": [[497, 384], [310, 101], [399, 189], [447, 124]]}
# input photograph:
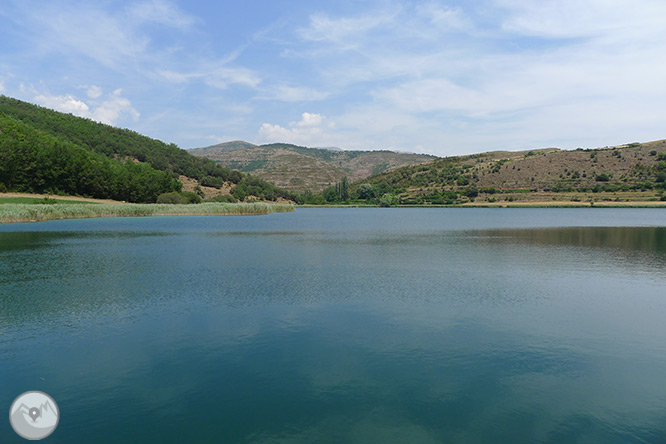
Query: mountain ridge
{"points": [[299, 168]]}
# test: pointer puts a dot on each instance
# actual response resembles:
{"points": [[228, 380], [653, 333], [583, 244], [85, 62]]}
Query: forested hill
{"points": [[46, 151]]}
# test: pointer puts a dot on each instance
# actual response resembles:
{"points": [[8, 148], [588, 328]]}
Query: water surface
{"points": [[341, 325]]}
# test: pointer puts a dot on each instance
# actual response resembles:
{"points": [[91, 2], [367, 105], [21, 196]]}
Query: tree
{"points": [[388, 200], [471, 192], [367, 191]]}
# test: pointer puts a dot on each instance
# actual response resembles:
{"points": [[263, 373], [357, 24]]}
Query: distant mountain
{"points": [[297, 168]]}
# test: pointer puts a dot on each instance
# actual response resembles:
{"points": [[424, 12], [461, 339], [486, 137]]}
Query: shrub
{"points": [[171, 198], [471, 192], [185, 197], [190, 197]]}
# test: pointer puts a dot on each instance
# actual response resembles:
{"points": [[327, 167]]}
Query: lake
{"points": [[341, 326]]}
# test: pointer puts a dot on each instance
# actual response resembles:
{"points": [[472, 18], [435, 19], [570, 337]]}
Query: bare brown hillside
{"points": [[298, 168]]}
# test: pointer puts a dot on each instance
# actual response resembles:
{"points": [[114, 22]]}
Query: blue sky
{"points": [[442, 77]]}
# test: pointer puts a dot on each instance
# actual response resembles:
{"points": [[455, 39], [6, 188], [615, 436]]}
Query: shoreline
{"points": [[562, 204], [19, 213]]}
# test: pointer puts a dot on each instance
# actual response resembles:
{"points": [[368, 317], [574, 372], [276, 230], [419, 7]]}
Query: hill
{"points": [[298, 168], [631, 172], [44, 151]]}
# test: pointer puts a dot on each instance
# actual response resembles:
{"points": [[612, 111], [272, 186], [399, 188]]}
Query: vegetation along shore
{"points": [[43, 212]]}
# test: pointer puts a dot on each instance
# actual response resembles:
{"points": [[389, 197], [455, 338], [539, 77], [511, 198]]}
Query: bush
{"points": [[171, 198], [471, 192], [462, 181], [190, 197], [186, 197]]}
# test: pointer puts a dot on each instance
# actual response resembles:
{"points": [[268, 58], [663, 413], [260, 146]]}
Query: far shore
{"points": [[530, 204]]}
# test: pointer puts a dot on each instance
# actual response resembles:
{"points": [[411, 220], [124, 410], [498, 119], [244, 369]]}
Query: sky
{"points": [[437, 77]]}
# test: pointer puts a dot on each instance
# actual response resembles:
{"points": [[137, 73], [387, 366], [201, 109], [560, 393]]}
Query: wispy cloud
{"points": [[344, 31], [447, 76], [287, 93], [93, 91], [221, 77], [533, 58], [160, 12], [114, 37]]}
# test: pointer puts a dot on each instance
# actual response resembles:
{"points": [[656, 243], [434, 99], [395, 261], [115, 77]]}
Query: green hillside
{"points": [[631, 172], [46, 151]]}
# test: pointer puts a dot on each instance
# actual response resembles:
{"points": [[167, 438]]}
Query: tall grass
{"points": [[34, 213]]}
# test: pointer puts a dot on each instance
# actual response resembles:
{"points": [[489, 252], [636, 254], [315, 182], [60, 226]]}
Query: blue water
{"points": [[341, 325]]}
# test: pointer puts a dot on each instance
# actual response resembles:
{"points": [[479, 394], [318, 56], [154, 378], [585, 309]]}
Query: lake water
{"points": [[341, 326]]}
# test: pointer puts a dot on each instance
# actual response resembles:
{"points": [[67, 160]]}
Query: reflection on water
{"points": [[648, 239], [341, 326]]}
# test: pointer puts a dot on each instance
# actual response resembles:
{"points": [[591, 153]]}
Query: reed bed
{"points": [[38, 212]]}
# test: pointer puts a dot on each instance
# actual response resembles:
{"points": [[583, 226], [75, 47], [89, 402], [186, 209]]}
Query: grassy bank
{"points": [[35, 213]]}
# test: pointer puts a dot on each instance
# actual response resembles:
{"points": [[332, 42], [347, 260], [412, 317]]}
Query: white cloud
{"points": [[94, 91], [65, 104], [575, 18], [309, 120], [308, 131], [2, 86], [110, 110]]}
